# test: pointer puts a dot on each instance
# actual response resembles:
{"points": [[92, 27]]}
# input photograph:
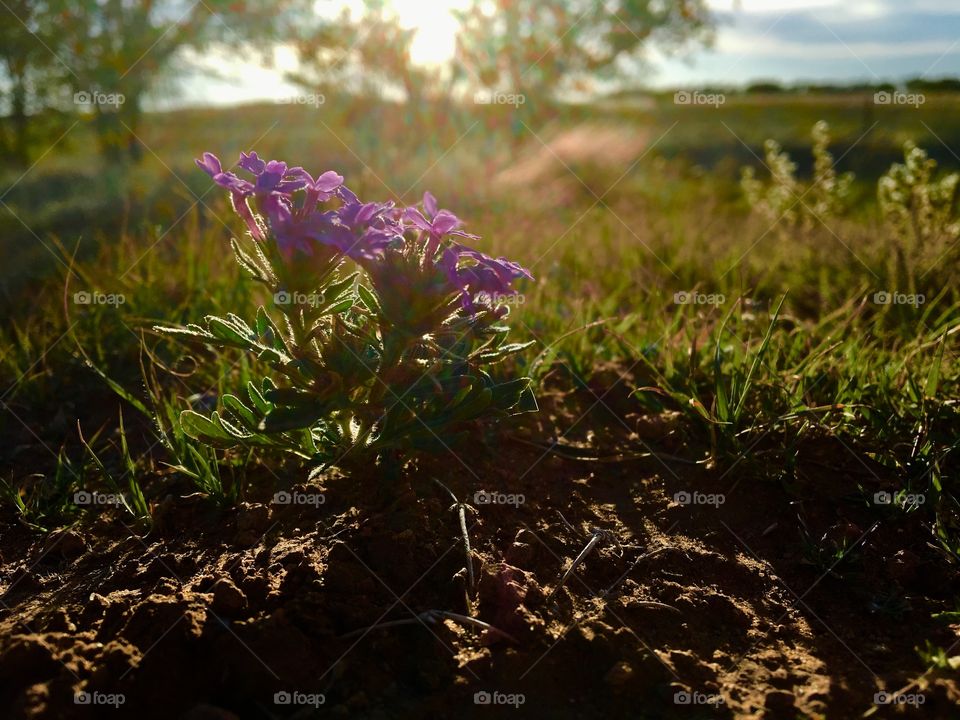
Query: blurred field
{"points": [[479, 156]]}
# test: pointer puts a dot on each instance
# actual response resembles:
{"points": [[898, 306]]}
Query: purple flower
{"points": [[273, 187], [370, 245], [210, 164], [437, 224], [305, 232], [273, 176], [373, 227], [361, 231], [239, 190], [321, 189], [356, 214], [481, 274]]}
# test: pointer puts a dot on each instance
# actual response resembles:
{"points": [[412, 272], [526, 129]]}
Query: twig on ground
{"points": [[629, 570], [568, 452], [655, 604], [462, 513], [465, 620], [592, 543], [430, 617], [424, 617]]}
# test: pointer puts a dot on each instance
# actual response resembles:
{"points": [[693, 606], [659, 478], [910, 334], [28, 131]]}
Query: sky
{"points": [[823, 40], [784, 40]]}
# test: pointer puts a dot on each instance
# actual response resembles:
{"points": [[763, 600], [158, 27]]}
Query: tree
{"points": [[30, 75], [117, 49], [363, 54], [542, 49]]}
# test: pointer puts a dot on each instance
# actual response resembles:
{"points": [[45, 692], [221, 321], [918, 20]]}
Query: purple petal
{"points": [[328, 182], [210, 164], [417, 218], [430, 204], [270, 178], [234, 184], [444, 222], [251, 163], [348, 196]]}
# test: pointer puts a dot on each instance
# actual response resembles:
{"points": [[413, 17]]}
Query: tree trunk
{"points": [[18, 118], [132, 114], [118, 129]]}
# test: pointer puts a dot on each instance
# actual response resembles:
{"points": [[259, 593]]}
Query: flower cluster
{"points": [[387, 359], [309, 216]]}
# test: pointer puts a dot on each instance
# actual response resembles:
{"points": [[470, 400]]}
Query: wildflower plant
{"points": [[919, 206], [380, 328], [786, 201]]}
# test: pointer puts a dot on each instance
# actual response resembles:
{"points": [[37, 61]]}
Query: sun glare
{"points": [[436, 28]]}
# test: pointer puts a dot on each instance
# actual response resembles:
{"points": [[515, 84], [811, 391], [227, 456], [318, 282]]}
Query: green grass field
{"points": [[765, 344], [611, 234]]}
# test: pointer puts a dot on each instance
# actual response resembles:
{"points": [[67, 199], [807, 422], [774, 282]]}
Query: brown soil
{"points": [[212, 612]]}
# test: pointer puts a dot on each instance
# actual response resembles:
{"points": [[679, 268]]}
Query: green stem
{"points": [[299, 329], [394, 345]]}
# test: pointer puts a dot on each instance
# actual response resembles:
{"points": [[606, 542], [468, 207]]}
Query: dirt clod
{"points": [[228, 599]]}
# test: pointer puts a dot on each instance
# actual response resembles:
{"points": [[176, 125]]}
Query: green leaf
{"points": [[121, 391], [758, 358], [475, 404], [269, 333], [243, 414], [230, 332], [200, 427], [232, 429], [261, 405], [247, 262], [368, 299], [339, 307], [290, 396], [508, 394], [527, 401], [495, 354], [191, 332], [338, 288], [933, 377], [282, 419]]}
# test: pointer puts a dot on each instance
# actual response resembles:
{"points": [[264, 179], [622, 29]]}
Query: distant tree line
{"points": [[766, 87], [97, 60]]}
